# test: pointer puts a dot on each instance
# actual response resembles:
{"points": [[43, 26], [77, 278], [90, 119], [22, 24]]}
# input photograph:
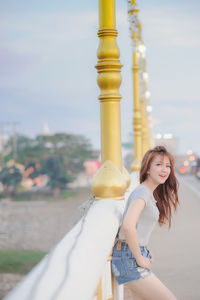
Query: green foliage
{"points": [[54, 167], [19, 261], [42, 195], [60, 156], [25, 149], [67, 194], [35, 166], [10, 176]]}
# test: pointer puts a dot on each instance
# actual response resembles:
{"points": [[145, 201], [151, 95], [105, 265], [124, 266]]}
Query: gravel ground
{"points": [[36, 225], [8, 282]]}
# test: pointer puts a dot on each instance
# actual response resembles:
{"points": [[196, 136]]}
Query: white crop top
{"points": [[148, 218]]}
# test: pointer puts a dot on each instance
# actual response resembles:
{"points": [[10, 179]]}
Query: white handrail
{"points": [[72, 269]]}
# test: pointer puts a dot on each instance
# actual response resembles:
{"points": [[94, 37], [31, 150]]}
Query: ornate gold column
{"points": [[137, 113], [141, 120], [145, 133], [112, 179], [149, 139]]}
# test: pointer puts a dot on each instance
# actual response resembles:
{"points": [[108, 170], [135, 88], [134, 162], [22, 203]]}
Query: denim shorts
{"points": [[124, 265]]}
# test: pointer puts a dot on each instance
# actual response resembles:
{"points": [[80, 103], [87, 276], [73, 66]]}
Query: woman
{"points": [[151, 202]]}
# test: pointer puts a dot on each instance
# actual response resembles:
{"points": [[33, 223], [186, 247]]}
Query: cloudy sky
{"points": [[47, 58]]}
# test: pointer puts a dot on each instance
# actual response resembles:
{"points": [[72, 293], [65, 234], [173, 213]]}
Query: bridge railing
{"points": [[78, 267]]}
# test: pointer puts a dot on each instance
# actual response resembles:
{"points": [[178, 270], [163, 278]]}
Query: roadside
{"points": [[177, 250]]}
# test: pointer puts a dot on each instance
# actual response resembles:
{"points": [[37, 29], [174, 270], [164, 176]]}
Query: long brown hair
{"points": [[166, 194]]}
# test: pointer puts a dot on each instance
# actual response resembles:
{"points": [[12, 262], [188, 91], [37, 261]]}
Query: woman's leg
{"points": [[150, 288], [130, 295]]}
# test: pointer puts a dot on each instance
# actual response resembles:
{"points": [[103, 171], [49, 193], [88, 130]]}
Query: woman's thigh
{"points": [[150, 288], [130, 295]]}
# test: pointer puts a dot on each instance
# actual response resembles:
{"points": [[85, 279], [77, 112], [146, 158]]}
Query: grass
{"points": [[67, 194], [19, 261], [40, 195], [25, 196]]}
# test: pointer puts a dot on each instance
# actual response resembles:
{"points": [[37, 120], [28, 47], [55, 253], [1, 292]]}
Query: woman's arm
{"points": [[130, 233]]}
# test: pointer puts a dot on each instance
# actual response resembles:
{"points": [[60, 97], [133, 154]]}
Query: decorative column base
{"points": [[109, 182]]}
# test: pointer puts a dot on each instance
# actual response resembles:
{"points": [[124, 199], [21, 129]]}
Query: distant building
{"points": [[92, 166], [46, 130], [168, 141]]}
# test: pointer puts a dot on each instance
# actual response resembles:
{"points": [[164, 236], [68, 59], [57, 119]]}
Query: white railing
{"points": [[78, 267]]}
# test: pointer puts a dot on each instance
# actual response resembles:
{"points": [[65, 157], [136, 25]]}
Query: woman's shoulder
{"points": [[140, 192], [141, 189]]}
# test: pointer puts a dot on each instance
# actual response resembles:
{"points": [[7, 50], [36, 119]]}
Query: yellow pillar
{"points": [[149, 139], [137, 113], [112, 179], [145, 129], [145, 119], [99, 290], [143, 124]]}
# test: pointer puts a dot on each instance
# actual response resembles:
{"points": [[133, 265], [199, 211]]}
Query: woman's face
{"points": [[160, 169]]}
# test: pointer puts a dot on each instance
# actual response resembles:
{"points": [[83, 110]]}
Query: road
{"points": [[177, 251], [192, 182]]}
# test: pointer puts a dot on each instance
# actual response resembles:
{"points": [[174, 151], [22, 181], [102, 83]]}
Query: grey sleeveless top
{"points": [[148, 218]]}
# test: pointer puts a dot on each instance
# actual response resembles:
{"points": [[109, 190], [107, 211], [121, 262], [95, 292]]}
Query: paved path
{"points": [[177, 252]]}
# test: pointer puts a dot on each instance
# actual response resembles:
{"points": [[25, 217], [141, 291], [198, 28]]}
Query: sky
{"points": [[47, 67]]}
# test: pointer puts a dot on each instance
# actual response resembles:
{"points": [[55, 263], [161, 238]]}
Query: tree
{"points": [[10, 177], [34, 169], [74, 149], [61, 156], [55, 169]]}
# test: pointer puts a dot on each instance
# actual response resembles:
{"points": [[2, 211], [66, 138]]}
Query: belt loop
{"points": [[124, 247], [119, 245]]}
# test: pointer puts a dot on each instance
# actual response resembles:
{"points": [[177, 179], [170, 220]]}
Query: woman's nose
{"points": [[164, 168]]}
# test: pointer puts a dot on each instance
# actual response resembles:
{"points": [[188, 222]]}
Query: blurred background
{"points": [[48, 80], [50, 118]]}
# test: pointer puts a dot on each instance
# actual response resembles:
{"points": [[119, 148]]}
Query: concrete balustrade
{"points": [[73, 268]]}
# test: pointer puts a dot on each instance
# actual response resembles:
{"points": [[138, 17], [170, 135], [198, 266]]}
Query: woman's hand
{"points": [[144, 262], [151, 257]]}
